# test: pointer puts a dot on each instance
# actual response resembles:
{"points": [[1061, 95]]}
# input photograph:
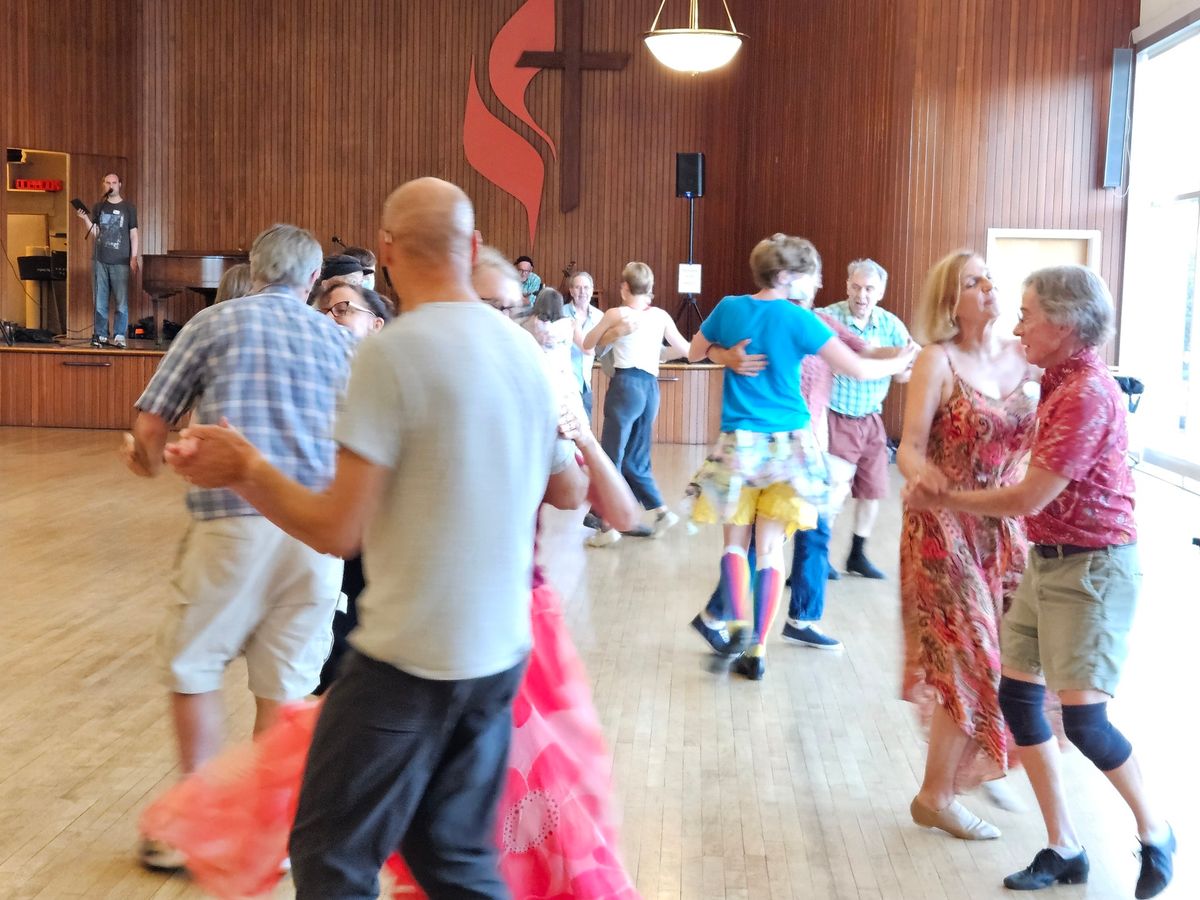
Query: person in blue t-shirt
{"points": [[767, 471]]}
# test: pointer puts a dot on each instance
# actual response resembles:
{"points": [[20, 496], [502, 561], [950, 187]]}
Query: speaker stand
{"points": [[689, 307]]}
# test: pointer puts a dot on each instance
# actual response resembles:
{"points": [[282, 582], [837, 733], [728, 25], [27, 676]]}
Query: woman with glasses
{"points": [[362, 311]]}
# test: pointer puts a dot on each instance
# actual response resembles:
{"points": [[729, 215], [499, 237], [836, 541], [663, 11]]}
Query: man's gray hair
{"points": [[285, 254], [587, 275], [870, 267], [1077, 297]]}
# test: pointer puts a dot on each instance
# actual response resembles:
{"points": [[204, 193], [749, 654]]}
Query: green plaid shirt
{"points": [[852, 397]]}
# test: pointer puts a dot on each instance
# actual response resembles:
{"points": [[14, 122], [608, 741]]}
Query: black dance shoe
{"points": [[1157, 867], [1049, 868]]}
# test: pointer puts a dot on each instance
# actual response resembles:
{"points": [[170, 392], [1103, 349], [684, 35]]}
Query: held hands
{"points": [[134, 461], [737, 360], [927, 490], [572, 428], [211, 456]]}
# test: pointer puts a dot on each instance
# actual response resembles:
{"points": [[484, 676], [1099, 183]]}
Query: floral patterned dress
{"points": [[958, 572]]}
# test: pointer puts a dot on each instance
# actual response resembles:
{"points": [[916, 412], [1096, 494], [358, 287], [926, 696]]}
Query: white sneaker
{"points": [[160, 856], [119, 341], [1000, 794], [604, 538], [664, 521]]}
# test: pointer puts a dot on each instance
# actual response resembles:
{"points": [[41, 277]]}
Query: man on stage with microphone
{"points": [[113, 224]]}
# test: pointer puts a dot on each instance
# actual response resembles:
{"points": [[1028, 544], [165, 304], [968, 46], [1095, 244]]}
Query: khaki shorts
{"points": [[242, 587], [1070, 618]]}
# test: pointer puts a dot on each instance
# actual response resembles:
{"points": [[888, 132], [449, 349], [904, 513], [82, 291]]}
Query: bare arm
{"points": [[329, 521], [133, 248], [699, 347], [1026, 498], [91, 226], [603, 485], [676, 341], [606, 322], [845, 361], [736, 359], [142, 449], [930, 384]]}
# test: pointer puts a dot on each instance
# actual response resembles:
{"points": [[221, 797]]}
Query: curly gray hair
{"points": [[1076, 297]]}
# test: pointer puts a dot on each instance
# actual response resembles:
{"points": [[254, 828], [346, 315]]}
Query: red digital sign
{"points": [[49, 185]]}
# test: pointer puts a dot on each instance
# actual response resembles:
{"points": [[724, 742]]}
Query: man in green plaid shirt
{"points": [[856, 431]]}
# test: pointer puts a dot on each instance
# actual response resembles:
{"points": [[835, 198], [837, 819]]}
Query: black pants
{"points": [[404, 762]]}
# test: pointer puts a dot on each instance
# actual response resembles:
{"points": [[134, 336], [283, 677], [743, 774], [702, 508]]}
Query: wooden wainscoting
{"points": [[72, 388], [689, 409]]}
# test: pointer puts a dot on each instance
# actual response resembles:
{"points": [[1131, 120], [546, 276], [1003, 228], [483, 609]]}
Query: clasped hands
{"points": [[211, 456], [927, 490]]}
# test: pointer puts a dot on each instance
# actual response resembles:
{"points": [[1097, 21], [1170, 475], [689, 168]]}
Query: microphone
{"points": [[337, 240], [106, 194]]}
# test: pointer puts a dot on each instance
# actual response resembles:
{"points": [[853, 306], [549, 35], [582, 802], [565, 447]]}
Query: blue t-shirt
{"points": [[786, 333]]}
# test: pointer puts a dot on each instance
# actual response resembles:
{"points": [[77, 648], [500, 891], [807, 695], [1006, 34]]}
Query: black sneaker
{"points": [[753, 667], [592, 521], [1049, 868], [99, 341], [639, 531], [860, 565], [717, 638], [1157, 867]]}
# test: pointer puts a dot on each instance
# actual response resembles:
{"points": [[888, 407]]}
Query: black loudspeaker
{"points": [[1118, 118], [689, 174]]}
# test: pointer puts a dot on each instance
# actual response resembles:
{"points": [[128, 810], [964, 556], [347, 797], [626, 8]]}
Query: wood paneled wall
{"points": [[71, 80], [312, 111], [903, 129], [898, 129]]}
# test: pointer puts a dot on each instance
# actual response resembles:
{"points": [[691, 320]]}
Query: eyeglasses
{"points": [[342, 309], [509, 309]]}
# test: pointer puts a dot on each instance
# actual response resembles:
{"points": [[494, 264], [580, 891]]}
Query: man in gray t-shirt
{"points": [[113, 225], [447, 445]]}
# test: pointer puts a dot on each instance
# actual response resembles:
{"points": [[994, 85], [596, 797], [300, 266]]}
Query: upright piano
{"points": [[171, 273]]}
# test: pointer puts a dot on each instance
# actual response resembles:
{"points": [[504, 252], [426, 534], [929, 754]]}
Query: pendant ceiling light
{"points": [[693, 49]]}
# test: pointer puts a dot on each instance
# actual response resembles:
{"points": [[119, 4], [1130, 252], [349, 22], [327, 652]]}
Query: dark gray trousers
{"points": [[400, 762]]}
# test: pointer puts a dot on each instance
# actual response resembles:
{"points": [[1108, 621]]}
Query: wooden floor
{"points": [[794, 787]]}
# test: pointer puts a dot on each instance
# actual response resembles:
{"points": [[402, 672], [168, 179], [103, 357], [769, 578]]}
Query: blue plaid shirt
{"points": [[276, 369], [852, 397]]}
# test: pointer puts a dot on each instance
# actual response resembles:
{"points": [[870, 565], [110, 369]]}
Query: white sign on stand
{"points": [[689, 278]]}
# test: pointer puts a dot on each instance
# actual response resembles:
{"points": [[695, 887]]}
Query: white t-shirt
{"points": [[456, 401], [642, 348]]}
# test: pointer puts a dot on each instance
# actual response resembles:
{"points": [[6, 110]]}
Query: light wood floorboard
{"points": [[794, 787]]}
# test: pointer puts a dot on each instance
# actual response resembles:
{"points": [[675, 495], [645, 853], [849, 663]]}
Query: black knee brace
{"points": [[1088, 728], [1022, 703]]}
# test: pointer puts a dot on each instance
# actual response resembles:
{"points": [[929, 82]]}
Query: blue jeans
{"points": [[630, 408], [810, 570], [107, 277]]}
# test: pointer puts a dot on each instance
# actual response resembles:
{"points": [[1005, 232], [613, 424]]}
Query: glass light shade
{"points": [[693, 49]]}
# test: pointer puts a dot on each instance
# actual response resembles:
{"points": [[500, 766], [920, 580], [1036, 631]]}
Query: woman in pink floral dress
{"points": [[968, 423]]}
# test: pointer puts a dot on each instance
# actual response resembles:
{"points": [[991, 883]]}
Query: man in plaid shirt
{"points": [[856, 431], [275, 368]]}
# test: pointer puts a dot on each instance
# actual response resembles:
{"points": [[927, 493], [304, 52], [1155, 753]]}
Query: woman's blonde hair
{"points": [[781, 253], [934, 321], [639, 278], [234, 283]]}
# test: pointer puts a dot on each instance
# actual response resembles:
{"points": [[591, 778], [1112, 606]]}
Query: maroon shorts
{"points": [[863, 442]]}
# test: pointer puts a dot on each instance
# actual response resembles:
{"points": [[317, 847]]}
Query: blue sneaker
{"points": [[717, 638], [810, 636]]}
